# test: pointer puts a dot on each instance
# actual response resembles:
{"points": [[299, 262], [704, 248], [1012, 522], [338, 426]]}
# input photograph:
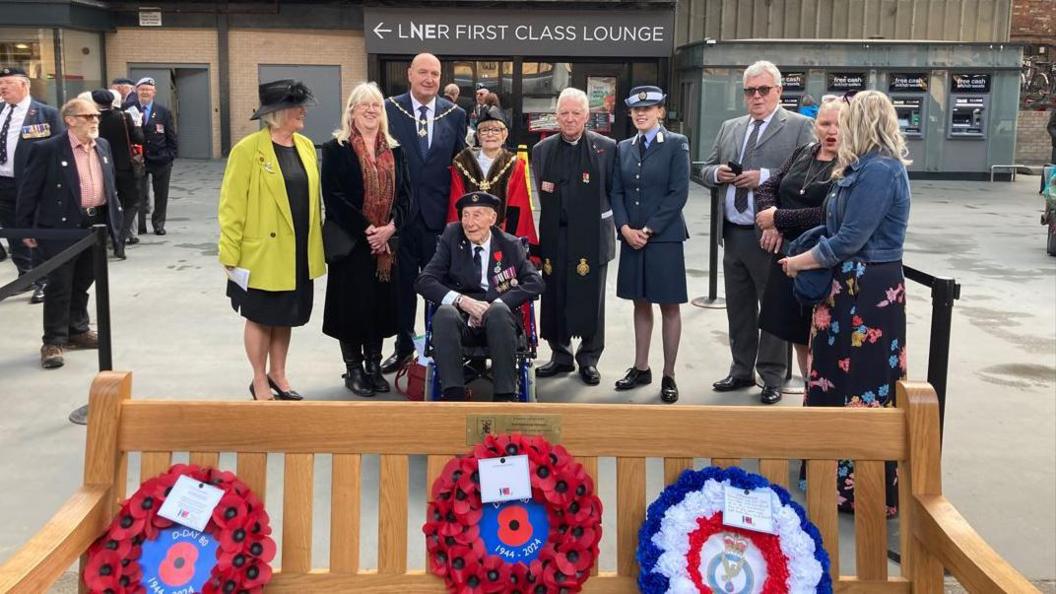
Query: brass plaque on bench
{"points": [[477, 426]]}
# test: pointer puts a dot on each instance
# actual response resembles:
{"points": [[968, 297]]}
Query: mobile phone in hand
{"points": [[735, 167]]}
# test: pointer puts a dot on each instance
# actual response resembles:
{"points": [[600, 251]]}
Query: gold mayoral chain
{"points": [[486, 184], [421, 133]]}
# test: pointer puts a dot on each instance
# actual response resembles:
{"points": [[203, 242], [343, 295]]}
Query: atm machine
{"points": [[909, 94], [967, 122], [794, 85]]}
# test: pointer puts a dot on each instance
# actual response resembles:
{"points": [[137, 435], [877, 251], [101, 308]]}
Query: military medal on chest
{"points": [[548, 268]]}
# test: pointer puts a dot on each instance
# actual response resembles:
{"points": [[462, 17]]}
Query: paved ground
{"points": [[174, 328]]}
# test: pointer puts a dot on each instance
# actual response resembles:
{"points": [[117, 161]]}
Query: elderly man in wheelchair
{"points": [[480, 277]]}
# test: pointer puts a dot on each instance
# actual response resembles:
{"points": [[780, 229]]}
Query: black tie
{"points": [[423, 129], [641, 146], [3, 133], [740, 198], [477, 251]]}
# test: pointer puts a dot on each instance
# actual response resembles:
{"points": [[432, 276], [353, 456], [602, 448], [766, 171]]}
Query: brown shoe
{"points": [[51, 356], [84, 340]]}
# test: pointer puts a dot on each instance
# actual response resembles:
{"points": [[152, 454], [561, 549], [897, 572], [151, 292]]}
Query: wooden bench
{"points": [[933, 535]]}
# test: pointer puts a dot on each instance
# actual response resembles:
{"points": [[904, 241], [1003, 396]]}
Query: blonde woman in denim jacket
{"points": [[858, 336]]}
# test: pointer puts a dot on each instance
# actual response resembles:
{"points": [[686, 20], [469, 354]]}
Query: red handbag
{"points": [[415, 374]]}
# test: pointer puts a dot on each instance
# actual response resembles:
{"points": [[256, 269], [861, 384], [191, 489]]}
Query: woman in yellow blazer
{"points": [[271, 225]]}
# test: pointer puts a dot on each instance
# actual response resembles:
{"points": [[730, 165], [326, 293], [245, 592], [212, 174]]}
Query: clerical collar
{"points": [[572, 142]]}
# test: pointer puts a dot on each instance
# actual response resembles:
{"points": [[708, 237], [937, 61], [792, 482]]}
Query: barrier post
{"points": [[943, 293], [713, 301], [102, 298]]}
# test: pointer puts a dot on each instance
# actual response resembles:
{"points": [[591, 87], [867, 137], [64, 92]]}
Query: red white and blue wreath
{"points": [[684, 547], [143, 552], [543, 545]]}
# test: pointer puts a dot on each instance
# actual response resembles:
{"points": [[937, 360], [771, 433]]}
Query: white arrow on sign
{"points": [[378, 30]]}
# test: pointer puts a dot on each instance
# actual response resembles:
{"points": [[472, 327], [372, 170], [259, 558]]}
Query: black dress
{"points": [[360, 309], [284, 308], [781, 314]]}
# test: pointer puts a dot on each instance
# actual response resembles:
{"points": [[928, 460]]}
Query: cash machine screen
{"points": [[910, 115], [966, 117]]}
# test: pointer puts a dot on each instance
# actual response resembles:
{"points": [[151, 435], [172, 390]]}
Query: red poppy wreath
{"points": [[144, 552], [546, 544]]}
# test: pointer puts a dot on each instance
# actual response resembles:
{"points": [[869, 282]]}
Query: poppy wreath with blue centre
{"points": [[562, 492], [239, 525]]}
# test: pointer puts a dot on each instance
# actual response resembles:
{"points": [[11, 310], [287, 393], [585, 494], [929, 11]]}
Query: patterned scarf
{"points": [[379, 189]]}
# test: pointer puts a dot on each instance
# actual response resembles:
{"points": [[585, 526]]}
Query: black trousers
{"points": [[417, 246], [128, 193], [159, 180], [66, 300], [451, 332], [24, 258]]}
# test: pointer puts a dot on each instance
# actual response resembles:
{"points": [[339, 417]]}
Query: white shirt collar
{"points": [[486, 245], [416, 104]]}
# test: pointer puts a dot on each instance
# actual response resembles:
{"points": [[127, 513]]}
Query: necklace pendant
{"points": [[422, 132], [485, 185], [802, 191]]}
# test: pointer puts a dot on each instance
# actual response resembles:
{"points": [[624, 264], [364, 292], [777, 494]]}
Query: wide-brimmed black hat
{"points": [[478, 199], [12, 71], [282, 94], [493, 114], [644, 96]]}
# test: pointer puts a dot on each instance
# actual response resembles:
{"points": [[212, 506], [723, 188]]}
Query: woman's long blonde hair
{"points": [[364, 91], [869, 124]]}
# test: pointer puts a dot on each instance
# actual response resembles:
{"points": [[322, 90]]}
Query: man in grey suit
{"points": [[757, 144], [572, 172]]}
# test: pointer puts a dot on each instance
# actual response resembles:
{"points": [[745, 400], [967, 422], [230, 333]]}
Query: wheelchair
{"points": [[475, 358]]}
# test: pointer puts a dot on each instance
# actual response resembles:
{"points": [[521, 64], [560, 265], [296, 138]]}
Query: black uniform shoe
{"points": [[553, 368], [590, 375], [372, 367], [131, 240], [38, 294], [635, 377], [454, 395], [668, 390], [159, 231], [356, 380], [395, 361], [730, 383], [770, 395]]}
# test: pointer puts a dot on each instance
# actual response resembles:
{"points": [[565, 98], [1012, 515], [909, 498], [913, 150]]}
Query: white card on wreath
{"points": [[749, 510], [504, 479], [191, 503]]}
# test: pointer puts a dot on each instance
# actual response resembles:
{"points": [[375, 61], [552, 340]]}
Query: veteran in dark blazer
{"points": [[479, 276], [757, 144], [69, 183], [160, 150], [573, 173], [23, 121], [432, 131], [649, 191]]}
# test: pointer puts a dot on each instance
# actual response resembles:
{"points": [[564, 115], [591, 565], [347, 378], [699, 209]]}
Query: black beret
{"points": [[478, 199], [103, 98], [123, 81], [12, 71]]}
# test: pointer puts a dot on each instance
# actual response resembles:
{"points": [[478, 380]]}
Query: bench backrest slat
{"points": [[344, 513], [152, 464], [208, 459], [392, 514], [630, 508], [252, 469], [775, 471], [297, 512], [821, 507], [870, 520]]}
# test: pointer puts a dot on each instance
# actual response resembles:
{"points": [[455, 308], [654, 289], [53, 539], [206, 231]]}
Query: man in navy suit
{"points": [[480, 276], [69, 183], [23, 121], [432, 131], [159, 149]]}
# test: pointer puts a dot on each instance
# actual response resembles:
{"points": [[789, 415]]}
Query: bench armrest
{"points": [[947, 535], [57, 545]]}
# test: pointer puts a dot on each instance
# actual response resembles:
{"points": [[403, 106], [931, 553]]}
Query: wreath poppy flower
{"points": [[244, 550], [559, 484]]}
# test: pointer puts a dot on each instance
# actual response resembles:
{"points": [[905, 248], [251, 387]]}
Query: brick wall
{"points": [[252, 47], [1033, 144], [1033, 21], [167, 46]]}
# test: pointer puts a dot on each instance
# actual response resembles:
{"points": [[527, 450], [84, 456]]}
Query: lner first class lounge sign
{"points": [[499, 32]]}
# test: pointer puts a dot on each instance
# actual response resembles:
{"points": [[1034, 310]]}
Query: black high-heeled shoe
{"points": [[284, 394], [253, 392]]}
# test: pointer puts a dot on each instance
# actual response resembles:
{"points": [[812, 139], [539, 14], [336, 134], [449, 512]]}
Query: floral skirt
{"points": [[858, 352]]}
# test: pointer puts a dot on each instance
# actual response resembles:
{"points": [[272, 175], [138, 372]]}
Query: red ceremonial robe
{"points": [[507, 180]]}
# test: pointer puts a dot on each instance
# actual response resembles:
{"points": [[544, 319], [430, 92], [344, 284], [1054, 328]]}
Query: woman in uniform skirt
{"points": [[270, 219], [858, 338], [649, 191], [366, 190], [788, 204]]}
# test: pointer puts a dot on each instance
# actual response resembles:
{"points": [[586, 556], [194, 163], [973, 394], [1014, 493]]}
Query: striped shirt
{"points": [[89, 172]]}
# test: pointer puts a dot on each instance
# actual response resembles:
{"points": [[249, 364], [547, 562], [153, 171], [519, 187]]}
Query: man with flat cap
{"points": [[480, 276], [124, 86], [159, 149], [23, 121]]}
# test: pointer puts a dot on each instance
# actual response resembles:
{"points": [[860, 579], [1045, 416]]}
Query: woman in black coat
{"points": [[121, 131], [366, 192]]}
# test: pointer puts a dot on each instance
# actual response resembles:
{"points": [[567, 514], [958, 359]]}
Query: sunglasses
{"points": [[846, 97], [763, 91], [87, 116]]}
